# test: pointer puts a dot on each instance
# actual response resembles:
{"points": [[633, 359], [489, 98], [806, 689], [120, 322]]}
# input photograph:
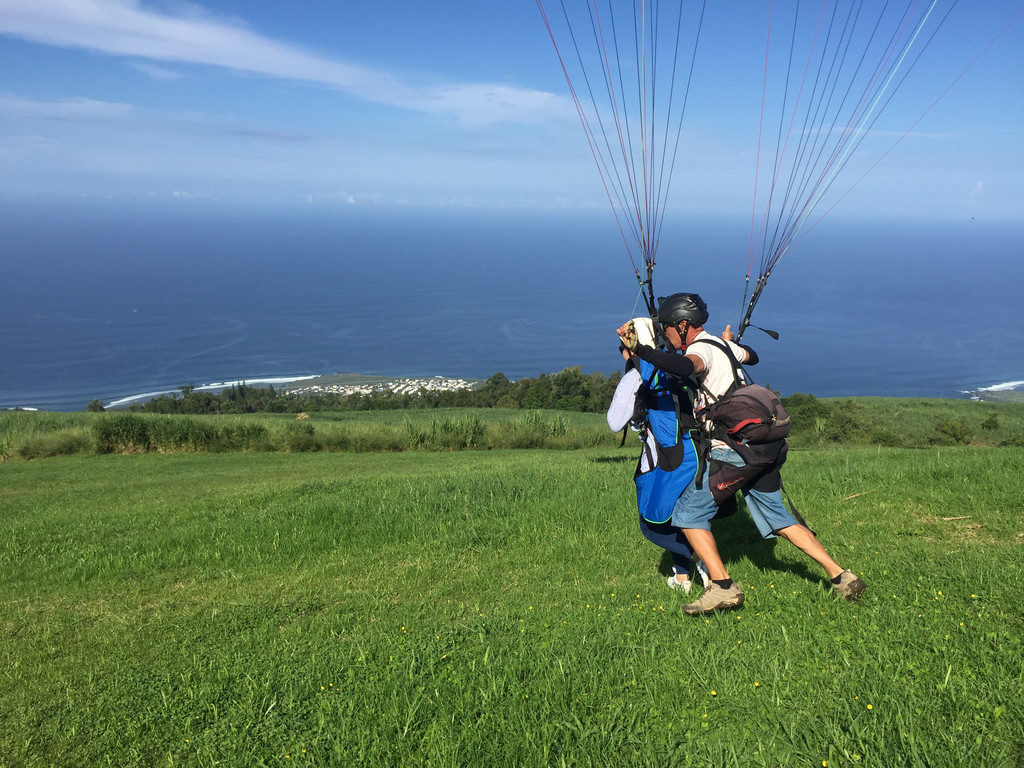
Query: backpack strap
{"points": [[661, 383], [739, 379], [739, 375]]}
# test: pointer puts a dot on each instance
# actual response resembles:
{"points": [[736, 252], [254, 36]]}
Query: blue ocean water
{"points": [[111, 301]]}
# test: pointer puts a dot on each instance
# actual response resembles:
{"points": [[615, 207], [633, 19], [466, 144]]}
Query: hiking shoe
{"points": [[850, 587], [674, 583], [715, 599]]}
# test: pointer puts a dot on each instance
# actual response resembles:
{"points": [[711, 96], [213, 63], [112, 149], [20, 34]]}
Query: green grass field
{"points": [[499, 608]]}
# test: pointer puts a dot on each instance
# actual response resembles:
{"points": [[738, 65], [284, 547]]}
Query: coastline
{"points": [[1009, 392], [355, 383], [212, 387], [1002, 396], [344, 384], [341, 384]]}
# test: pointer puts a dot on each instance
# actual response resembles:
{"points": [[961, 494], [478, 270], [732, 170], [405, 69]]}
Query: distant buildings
{"points": [[397, 386]]}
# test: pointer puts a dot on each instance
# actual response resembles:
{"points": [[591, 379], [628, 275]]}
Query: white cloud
{"points": [[65, 109], [156, 72], [484, 103], [194, 36]]}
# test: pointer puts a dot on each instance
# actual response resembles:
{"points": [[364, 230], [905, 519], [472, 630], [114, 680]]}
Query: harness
{"points": [[657, 391], [664, 411]]}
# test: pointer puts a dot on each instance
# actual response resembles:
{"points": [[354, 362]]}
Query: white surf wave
{"points": [[216, 385], [1005, 387]]}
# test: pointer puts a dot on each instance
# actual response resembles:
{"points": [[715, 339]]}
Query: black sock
{"points": [[838, 578], [723, 583]]}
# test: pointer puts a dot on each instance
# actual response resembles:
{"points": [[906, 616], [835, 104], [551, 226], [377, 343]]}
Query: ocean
{"points": [[112, 301]]}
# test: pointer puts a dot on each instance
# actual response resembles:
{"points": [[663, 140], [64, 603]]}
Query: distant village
{"points": [[397, 386]]}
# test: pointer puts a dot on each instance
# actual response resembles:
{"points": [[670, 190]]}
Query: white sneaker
{"points": [[674, 583]]}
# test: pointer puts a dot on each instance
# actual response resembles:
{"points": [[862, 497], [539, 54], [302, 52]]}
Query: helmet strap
{"points": [[683, 332]]}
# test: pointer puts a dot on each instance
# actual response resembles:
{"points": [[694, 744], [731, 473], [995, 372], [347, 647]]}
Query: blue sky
{"points": [[453, 103]]}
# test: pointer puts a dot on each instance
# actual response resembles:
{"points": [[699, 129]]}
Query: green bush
{"points": [[58, 444], [887, 437], [338, 441], [817, 421], [245, 436], [804, 409], [300, 437], [558, 426], [455, 434], [445, 434], [533, 430], [416, 435], [953, 433], [178, 433], [124, 433], [379, 441], [515, 434], [846, 422]]}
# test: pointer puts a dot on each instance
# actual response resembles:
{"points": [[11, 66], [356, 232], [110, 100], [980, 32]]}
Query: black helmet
{"points": [[682, 306]]}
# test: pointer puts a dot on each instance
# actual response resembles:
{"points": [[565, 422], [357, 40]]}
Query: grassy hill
{"points": [[499, 607]]}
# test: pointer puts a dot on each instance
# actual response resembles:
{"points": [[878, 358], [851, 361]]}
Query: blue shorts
{"points": [[696, 506]]}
